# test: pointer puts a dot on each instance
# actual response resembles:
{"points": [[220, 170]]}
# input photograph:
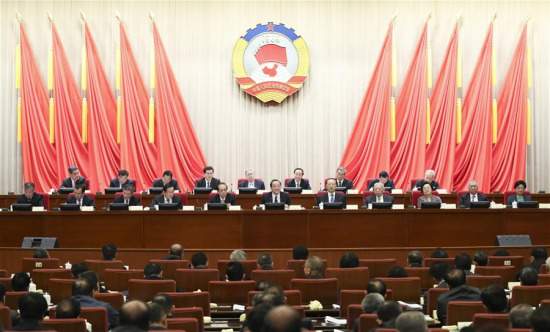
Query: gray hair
{"points": [[248, 170], [519, 316], [29, 185], [371, 302], [315, 263], [472, 182], [430, 171], [411, 321], [341, 168], [237, 255]]}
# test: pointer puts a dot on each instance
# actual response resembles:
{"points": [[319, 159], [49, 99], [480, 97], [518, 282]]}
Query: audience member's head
{"points": [[109, 252], [376, 286], [282, 319], [165, 301], [273, 295], [438, 270], [82, 287], [237, 255], [157, 315], [20, 282], [199, 260], [300, 252], [439, 253], [494, 298], [255, 318], [414, 258], [261, 285], [349, 260], [411, 321], [32, 306], [79, 268], [501, 252], [528, 276], [176, 250], [41, 253], [67, 308], [388, 310], [455, 278], [371, 302], [538, 253], [235, 271], [134, 313], [540, 319], [519, 316], [481, 258], [313, 266], [397, 272], [92, 278], [265, 261], [463, 262], [152, 270]]}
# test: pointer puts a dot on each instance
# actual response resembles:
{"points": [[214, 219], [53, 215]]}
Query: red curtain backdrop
{"points": [[68, 114], [137, 155], [509, 151], [179, 148], [102, 146], [473, 155], [368, 149], [408, 150], [38, 154], [440, 151]]}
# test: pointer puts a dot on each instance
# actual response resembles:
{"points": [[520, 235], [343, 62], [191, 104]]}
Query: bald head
{"points": [[134, 313], [176, 250], [411, 321], [282, 319]]}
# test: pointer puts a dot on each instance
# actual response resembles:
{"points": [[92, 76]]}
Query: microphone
{"points": [[231, 187], [320, 186]]}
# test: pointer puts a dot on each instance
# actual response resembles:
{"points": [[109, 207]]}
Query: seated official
{"points": [[428, 177], [472, 196], [128, 196], [29, 196], [167, 196], [80, 198], [208, 181], [331, 196], [251, 181], [166, 178], [276, 195], [121, 180], [223, 196], [384, 179], [341, 180], [298, 181], [378, 196], [427, 190], [74, 179], [313, 268], [519, 186]]}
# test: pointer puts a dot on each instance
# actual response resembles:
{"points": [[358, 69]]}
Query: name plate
{"points": [[448, 206], [544, 205], [261, 192], [295, 207], [442, 191], [307, 191], [353, 191], [37, 208], [86, 208], [352, 207], [188, 208], [135, 208], [398, 207], [397, 191], [235, 208]]}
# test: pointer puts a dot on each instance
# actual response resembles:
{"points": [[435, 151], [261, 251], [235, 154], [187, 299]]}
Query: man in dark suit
{"points": [[174, 253], [128, 196], [121, 180], [32, 307], [429, 177], [166, 178], [223, 196], [384, 178], [251, 181], [80, 198], [331, 196], [341, 180], [458, 291], [167, 196], [74, 179], [472, 196], [208, 181], [378, 195], [30, 197], [298, 180], [276, 195]]}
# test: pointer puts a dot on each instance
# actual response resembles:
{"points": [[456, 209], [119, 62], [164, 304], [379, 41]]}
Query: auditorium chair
{"points": [[463, 311], [29, 264], [249, 265], [97, 316], [4, 274], [516, 261], [169, 267], [144, 290], [117, 279], [192, 299], [519, 330], [116, 300], [41, 277], [368, 193], [5, 316], [416, 194], [11, 299], [349, 278], [7, 283], [507, 273], [230, 292], [404, 289], [322, 290], [544, 279], [433, 295], [193, 279], [46, 200], [60, 289], [426, 280], [545, 303], [297, 265], [543, 269], [196, 313], [349, 297], [532, 295], [484, 319], [293, 297], [183, 197], [186, 324], [353, 312], [431, 261], [99, 266], [367, 322], [513, 192], [66, 324], [367, 185], [278, 277], [378, 267], [481, 282]]}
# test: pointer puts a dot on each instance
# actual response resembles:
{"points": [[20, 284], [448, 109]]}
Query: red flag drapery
{"points": [[408, 150], [368, 149], [473, 155], [102, 146], [509, 151], [440, 151], [68, 114], [179, 149], [39, 164], [137, 155]]}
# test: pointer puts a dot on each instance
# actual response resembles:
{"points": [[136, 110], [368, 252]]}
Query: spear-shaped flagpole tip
{"points": [[83, 16], [394, 15], [18, 16], [494, 17], [152, 16], [118, 15], [528, 18], [459, 16], [429, 16], [50, 16]]}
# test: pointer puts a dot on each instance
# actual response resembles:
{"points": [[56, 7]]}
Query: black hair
{"points": [[32, 306], [494, 298], [235, 271], [529, 276], [40, 253], [481, 258], [165, 301], [274, 180], [264, 259], [397, 272], [123, 172], [439, 253], [199, 259], [463, 262], [455, 278], [298, 169], [300, 252], [539, 253], [376, 286], [388, 310], [501, 252], [109, 251], [540, 319], [92, 278], [82, 287], [208, 168], [415, 257], [383, 174], [520, 182], [167, 173], [167, 186], [438, 270], [20, 282], [156, 312], [67, 308], [78, 268], [349, 260], [152, 269]]}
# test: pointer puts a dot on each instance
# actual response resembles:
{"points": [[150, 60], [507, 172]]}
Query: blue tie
{"points": [[332, 198]]}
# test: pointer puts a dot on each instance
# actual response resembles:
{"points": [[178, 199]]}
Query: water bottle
{"points": [[514, 205]]}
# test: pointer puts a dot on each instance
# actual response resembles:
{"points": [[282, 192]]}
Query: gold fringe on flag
{"points": [[117, 68], [19, 124], [529, 68], [528, 122], [52, 122], [118, 117], [151, 120], [84, 78], [18, 66], [458, 121], [50, 68], [429, 50], [84, 120], [153, 78], [393, 65], [428, 122], [494, 65], [495, 120], [392, 119], [459, 67]]}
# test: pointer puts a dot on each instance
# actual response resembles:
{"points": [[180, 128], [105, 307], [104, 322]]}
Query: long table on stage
{"points": [[276, 229]]}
